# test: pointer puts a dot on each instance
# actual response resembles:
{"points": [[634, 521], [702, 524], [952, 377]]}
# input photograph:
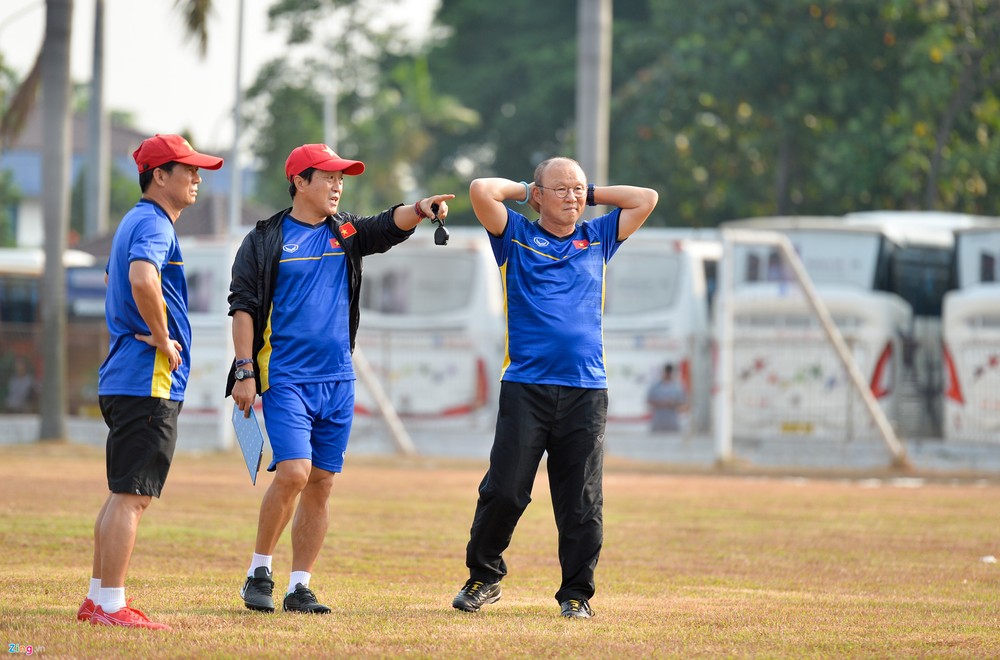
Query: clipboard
{"points": [[251, 440]]}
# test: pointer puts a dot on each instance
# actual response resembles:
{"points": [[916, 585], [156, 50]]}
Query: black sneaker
{"points": [[576, 609], [475, 594], [257, 590], [303, 600]]}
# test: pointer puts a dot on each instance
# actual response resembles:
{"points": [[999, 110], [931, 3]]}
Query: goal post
{"points": [[725, 333]]}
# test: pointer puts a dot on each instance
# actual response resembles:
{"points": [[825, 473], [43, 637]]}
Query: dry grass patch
{"points": [[693, 565]]}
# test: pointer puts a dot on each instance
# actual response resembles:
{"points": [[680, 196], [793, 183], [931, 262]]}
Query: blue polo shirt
{"points": [[134, 367], [307, 337], [554, 300]]}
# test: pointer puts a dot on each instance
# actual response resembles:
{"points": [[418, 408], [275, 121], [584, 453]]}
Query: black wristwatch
{"points": [[242, 373], [590, 195]]}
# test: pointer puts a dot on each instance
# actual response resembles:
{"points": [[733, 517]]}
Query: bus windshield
{"points": [[641, 283], [830, 257], [421, 282]]}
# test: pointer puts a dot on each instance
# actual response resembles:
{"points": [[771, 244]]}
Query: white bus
{"points": [[432, 329], [657, 311], [971, 337], [887, 258], [21, 271]]}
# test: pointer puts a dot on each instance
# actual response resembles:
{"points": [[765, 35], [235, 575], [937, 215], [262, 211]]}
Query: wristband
{"points": [[590, 195], [240, 363], [527, 194], [420, 211]]}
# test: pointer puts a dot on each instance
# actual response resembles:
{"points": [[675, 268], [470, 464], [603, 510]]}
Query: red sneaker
{"points": [[86, 610], [126, 616]]}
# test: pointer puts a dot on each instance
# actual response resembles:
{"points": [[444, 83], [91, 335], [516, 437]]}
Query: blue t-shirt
{"points": [[307, 337], [133, 367], [554, 300]]}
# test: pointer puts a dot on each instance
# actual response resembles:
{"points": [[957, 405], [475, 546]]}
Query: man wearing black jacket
{"points": [[294, 299]]}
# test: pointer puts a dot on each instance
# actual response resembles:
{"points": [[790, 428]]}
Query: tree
{"points": [[382, 97], [732, 109], [9, 197], [946, 149], [51, 71]]}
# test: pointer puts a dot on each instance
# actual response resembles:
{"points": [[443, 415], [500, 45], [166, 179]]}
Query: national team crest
{"points": [[347, 230], [334, 243], [582, 244]]}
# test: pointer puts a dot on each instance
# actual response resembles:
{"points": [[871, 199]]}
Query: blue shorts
{"points": [[310, 421]]}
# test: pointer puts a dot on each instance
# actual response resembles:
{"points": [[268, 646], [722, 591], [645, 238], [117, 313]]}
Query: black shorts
{"points": [[142, 434]]}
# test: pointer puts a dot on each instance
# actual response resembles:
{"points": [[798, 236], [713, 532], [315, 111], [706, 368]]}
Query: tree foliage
{"points": [[386, 110], [732, 109], [727, 108]]}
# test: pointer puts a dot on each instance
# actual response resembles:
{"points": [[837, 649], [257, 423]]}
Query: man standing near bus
{"points": [[295, 302], [553, 394], [141, 383]]}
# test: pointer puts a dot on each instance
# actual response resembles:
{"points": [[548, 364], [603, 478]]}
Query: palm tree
{"points": [[56, 154]]}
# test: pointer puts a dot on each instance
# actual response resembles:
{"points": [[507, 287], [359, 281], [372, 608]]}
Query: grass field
{"points": [[693, 565]]}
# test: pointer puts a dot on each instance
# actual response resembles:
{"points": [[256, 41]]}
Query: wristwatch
{"points": [[242, 373]]}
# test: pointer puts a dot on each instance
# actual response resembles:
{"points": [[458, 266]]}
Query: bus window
{"points": [[413, 283], [649, 283], [921, 276], [85, 289], [987, 267], [18, 299]]}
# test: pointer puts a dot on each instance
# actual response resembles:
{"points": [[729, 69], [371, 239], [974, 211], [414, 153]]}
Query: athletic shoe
{"points": [[128, 617], [257, 590], [86, 610], [475, 594], [576, 609], [303, 600]]}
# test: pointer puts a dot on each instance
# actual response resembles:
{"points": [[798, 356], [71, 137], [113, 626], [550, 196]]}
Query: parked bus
{"points": [[971, 338], [21, 271], [905, 255], [432, 327], [657, 311]]}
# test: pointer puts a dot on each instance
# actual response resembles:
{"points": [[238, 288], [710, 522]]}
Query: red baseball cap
{"points": [[322, 158], [160, 149]]}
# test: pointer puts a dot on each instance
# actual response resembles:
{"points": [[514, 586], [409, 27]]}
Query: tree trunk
{"points": [[56, 154], [98, 173]]}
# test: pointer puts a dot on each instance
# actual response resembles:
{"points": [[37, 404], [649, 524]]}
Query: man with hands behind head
{"points": [[553, 392], [294, 299]]}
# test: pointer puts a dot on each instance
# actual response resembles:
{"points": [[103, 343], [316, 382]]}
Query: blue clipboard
{"points": [[251, 440]]}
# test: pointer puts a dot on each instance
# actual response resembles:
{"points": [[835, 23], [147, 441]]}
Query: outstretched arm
{"points": [[408, 217], [636, 205]]}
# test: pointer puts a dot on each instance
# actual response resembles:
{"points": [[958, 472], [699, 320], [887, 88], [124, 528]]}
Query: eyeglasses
{"points": [[562, 191]]}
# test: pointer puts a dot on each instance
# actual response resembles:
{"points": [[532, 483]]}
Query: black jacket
{"points": [[255, 269]]}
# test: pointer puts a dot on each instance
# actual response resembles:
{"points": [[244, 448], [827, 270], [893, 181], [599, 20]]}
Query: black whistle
{"points": [[441, 233]]}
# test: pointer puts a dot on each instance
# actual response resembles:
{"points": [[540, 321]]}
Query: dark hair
{"points": [[146, 177], [306, 174]]}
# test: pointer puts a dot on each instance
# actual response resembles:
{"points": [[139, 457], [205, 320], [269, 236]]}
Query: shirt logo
{"points": [[581, 244], [334, 243], [347, 230], [541, 242], [290, 247]]}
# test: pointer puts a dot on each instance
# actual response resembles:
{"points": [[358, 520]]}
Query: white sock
{"points": [[257, 562], [95, 589], [111, 600], [298, 577]]}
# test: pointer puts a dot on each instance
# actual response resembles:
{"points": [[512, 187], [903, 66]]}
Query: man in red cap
{"points": [[294, 299], [141, 383]]}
